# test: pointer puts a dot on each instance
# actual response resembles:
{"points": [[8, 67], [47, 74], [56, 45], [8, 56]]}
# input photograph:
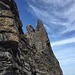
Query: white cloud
{"points": [[69, 29], [47, 27], [39, 13], [65, 41]]}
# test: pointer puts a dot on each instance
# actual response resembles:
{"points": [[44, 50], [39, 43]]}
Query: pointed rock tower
{"points": [[24, 54], [45, 60]]}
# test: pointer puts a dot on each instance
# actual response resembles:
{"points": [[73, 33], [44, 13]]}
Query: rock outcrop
{"points": [[24, 54]]}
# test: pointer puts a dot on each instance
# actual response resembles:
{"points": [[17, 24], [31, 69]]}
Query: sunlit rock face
{"points": [[24, 54], [8, 28]]}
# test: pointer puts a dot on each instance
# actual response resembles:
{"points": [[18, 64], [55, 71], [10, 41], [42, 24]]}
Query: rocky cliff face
{"points": [[24, 54]]}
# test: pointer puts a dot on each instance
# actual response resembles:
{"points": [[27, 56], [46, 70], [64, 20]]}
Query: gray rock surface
{"points": [[24, 54]]}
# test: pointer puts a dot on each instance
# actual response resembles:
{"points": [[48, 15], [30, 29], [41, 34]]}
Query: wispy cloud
{"points": [[65, 41], [66, 56], [54, 13]]}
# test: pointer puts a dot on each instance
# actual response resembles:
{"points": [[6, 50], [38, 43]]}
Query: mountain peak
{"points": [[39, 24]]}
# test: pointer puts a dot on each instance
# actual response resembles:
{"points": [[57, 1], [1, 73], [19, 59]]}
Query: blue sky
{"points": [[58, 17]]}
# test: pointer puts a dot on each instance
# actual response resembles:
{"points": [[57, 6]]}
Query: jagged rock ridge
{"points": [[24, 54]]}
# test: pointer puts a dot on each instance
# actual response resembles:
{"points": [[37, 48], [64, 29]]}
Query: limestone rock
{"points": [[24, 54]]}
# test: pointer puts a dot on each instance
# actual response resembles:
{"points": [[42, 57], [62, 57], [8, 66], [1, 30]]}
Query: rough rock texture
{"points": [[24, 54]]}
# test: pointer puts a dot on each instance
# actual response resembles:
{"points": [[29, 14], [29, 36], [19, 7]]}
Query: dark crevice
{"points": [[3, 16], [48, 44], [3, 31], [4, 6], [9, 44]]}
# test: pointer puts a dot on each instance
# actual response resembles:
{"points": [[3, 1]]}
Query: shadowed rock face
{"points": [[24, 54]]}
